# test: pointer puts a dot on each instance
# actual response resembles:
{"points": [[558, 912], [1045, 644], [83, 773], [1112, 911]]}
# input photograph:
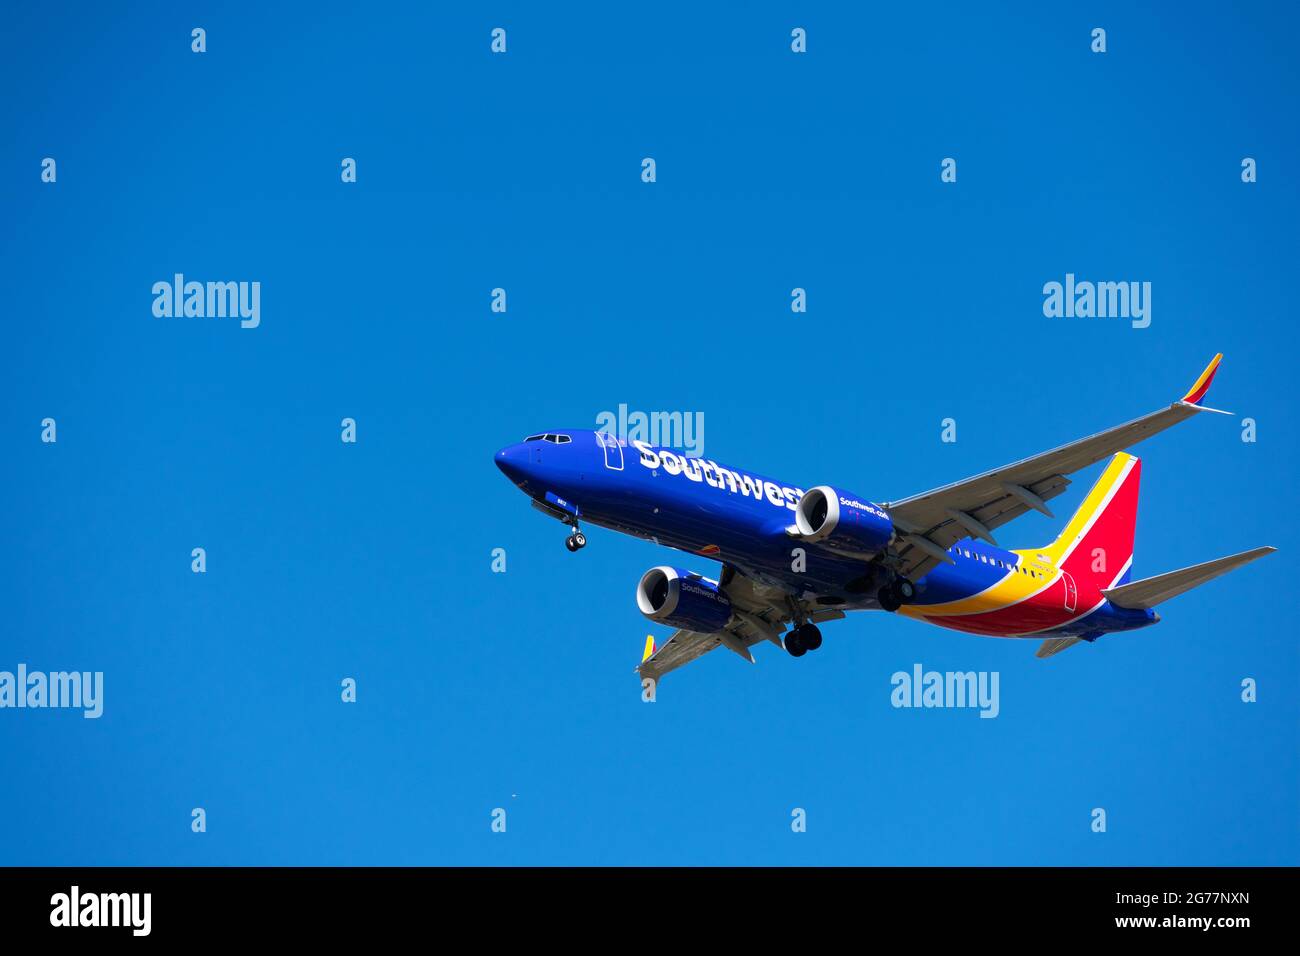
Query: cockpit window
{"points": [[553, 439], [534, 438]]}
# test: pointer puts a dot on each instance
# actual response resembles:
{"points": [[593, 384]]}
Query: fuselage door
{"points": [[613, 451], [1071, 594]]}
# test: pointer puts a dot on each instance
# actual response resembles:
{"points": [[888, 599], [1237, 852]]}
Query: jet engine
{"points": [[684, 600], [842, 521]]}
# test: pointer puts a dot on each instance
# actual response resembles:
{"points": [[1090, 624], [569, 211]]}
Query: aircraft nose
{"points": [[513, 462]]}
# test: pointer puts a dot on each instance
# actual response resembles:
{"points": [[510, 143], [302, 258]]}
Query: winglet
{"points": [[1198, 390], [649, 648]]}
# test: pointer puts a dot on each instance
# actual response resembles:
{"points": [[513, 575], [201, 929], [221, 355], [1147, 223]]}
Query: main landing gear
{"points": [[895, 594], [804, 638], [576, 541]]}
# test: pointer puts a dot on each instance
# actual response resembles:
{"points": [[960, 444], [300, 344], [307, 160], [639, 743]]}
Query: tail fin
{"points": [[1097, 544]]}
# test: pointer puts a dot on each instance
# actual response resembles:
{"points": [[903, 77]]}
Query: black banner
{"points": [[234, 904]]}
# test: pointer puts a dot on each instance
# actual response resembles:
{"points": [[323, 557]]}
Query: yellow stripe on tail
{"points": [[649, 648], [1098, 498]]}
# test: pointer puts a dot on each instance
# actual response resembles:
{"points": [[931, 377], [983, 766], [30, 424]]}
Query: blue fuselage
{"points": [[729, 515]]}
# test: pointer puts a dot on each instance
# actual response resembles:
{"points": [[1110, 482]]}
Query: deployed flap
{"points": [[1149, 592]]}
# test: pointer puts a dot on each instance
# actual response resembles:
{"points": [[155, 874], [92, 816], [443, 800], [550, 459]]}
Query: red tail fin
{"points": [[1097, 544]]}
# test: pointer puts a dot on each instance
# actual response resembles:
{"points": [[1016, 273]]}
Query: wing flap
{"points": [[915, 563]]}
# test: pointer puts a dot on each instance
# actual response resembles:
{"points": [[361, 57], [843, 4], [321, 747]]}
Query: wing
{"points": [[682, 648], [931, 523], [758, 614]]}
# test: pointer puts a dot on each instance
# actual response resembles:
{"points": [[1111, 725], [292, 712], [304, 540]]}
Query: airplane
{"points": [[802, 558]]}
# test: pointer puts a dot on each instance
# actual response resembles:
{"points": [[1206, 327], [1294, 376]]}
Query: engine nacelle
{"points": [[684, 600], [842, 521]]}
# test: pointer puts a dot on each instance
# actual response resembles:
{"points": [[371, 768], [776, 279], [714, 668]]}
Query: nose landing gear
{"points": [[576, 541]]}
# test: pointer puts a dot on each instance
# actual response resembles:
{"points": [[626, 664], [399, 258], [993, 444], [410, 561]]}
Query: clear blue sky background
{"points": [[481, 690]]}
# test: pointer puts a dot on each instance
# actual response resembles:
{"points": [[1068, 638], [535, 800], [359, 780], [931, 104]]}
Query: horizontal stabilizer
{"points": [[1054, 645], [1149, 592]]}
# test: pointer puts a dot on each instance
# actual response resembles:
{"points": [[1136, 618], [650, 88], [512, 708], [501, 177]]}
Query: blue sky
{"points": [[372, 561]]}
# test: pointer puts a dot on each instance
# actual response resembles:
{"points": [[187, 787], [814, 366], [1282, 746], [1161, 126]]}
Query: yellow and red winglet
{"points": [[649, 648], [1202, 385]]}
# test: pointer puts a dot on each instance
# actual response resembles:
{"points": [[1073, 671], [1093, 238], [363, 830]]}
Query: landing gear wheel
{"points": [[794, 643], [812, 637], [579, 540], [904, 590], [888, 599], [570, 543]]}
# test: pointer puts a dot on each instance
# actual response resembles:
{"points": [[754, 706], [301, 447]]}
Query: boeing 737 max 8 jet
{"points": [[801, 558]]}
